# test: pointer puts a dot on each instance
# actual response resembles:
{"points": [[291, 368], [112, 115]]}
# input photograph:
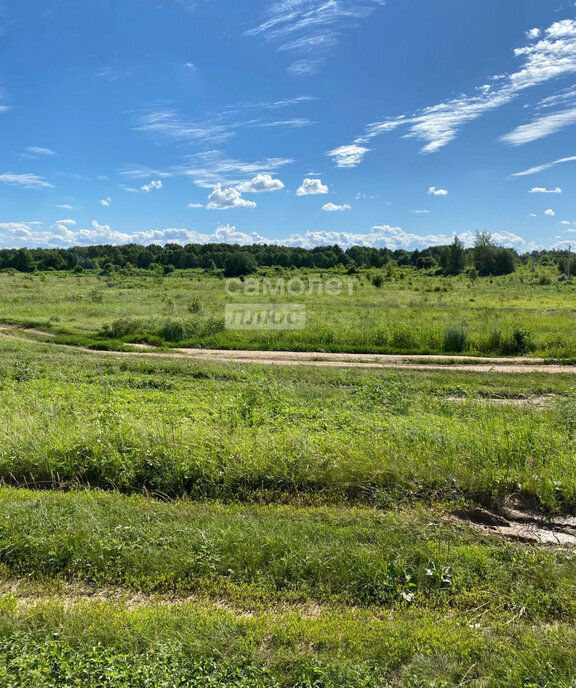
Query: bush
{"points": [[195, 306], [172, 331], [455, 339], [123, 327], [402, 338], [522, 340], [377, 280]]}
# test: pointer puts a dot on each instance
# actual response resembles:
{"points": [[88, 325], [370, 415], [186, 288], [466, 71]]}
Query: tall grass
{"points": [[377, 439], [410, 312]]}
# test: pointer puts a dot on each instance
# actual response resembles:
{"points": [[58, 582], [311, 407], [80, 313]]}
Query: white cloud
{"points": [[213, 128], [549, 212], [544, 190], [437, 125], [312, 187], [540, 128], [28, 181], [348, 156], [532, 215], [114, 74], [310, 29], [533, 34], [437, 192], [420, 212], [66, 206], [37, 151], [106, 202], [565, 222], [212, 167], [332, 207], [260, 183], [194, 205], [154, 184], [14, 235], [546, 166], [224, 199]]}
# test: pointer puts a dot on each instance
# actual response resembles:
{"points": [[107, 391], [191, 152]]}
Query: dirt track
{"points": [[335, 360]]}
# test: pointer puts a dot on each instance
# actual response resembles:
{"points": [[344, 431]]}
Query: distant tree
{"points": [[23, 261], [483, 254], [490, 259], [504, 261], [456, 258], [240, 263]]}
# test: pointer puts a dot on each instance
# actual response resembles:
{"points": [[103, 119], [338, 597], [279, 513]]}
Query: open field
{"points": [[410, 313], [170, 519]]}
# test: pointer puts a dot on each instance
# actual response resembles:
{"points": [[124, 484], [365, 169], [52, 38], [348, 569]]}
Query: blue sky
{"points": [[388, 123]]}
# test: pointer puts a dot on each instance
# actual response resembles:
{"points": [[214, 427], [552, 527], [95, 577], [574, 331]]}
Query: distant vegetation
{"points": [[388, 309], [485, 258]]}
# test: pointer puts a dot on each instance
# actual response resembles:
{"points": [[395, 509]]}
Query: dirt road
{"points": [[333, 360]]}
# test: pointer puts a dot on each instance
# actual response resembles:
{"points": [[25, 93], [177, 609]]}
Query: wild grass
{"points": [[262, 434], [273, 555], [277, 527], [409, 312], [97, 644]]}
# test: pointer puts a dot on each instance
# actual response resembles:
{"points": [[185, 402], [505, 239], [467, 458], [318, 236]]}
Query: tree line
{"points": [[485, 258]]}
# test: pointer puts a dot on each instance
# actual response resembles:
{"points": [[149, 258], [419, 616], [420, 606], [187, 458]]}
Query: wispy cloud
{"points": [[437, 125], [544, 167], [28, 181], [113, 74], [544, 190], [106, 202], [310, 29], [168, 122], [435, 191], [33, 152], [171, 124], [540, 127], [212, 167]]}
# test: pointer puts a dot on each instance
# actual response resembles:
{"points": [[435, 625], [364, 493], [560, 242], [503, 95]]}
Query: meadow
{"points": [[173, 522], [407, 312]]}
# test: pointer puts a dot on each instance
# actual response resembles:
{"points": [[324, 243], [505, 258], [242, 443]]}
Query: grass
{"points": [[100, 644], [169, 522], [106, 590], [176, 428], [410, 313], [269, 555]]}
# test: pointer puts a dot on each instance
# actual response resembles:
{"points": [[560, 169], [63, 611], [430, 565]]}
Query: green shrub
{"points": [[123, 327], [172, 331], [402, 338], [194, 306], [455, 339]]}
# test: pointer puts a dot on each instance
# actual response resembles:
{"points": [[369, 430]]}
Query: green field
{"points": [[410, 312], [170, 522]]}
